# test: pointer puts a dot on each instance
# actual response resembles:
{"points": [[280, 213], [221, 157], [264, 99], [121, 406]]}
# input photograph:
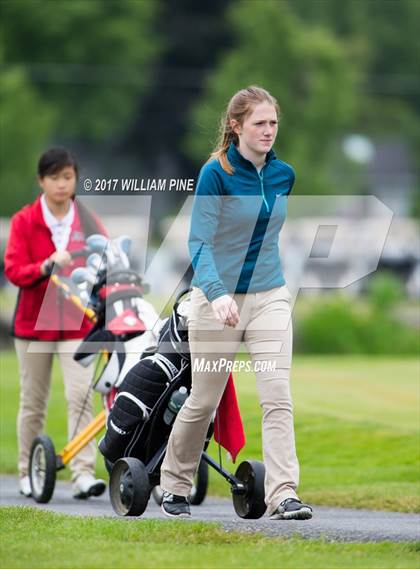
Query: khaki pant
{"points": [[35, 380], [266, 328]]}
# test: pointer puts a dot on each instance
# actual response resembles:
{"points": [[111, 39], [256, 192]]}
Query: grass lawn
{"points": [[357, 428], [33, 538]]}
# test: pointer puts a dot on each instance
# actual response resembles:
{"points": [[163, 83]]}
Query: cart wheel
{"points": [[129, 487], [250, 505], [198, 491], [42, 469]]}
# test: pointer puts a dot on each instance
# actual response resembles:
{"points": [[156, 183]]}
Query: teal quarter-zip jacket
{"points": [[235, 225]]}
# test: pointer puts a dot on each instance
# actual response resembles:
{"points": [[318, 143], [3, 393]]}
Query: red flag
{"points": [[228, 426]]}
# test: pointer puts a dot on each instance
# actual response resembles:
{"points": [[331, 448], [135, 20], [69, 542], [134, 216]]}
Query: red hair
{"points": [[240, 106]]}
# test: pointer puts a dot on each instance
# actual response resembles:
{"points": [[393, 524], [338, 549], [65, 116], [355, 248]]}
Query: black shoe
{"points": [[292, 509], [175, 506]]}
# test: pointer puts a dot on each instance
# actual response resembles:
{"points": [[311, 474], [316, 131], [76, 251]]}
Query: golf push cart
{"points": [[136, 353]]}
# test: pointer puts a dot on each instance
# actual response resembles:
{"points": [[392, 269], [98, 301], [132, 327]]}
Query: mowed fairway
{"points": [[356, 420], [357, 430]]}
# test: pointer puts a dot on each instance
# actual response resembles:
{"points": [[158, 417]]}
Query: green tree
{"points": [[72, 71], [389, 32], [26, 123], [308, 70], [88, 60], [387, 36]]}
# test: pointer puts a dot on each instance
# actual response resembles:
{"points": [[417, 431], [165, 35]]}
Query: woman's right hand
{"points": [[62, 258], [226, 310]]}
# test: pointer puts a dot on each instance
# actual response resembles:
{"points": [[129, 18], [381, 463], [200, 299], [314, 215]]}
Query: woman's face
{"points": [[259, 130], [60, 186]]}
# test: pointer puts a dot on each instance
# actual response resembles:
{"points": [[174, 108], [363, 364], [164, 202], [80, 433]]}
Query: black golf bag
{"points": [[139, 427], [146, 381]]}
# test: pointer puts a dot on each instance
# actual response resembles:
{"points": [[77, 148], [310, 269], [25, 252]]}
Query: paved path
{"points": [[330, 523]]}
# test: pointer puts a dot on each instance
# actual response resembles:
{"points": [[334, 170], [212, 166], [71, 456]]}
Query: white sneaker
{"points": [[86, 486], [25, 486]]}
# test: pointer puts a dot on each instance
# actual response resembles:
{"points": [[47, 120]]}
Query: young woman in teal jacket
{"points": [[239, 295]]}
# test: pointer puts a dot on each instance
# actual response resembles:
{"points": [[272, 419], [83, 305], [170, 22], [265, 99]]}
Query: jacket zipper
{"points": [[261, 178], [60, 315]]}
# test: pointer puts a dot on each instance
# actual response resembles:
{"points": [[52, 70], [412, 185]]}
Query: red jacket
{"points": [[41, 311]]}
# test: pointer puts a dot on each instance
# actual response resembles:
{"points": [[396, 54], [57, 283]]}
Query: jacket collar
{"points": [[37, 214], [50, 218], [38, 217], [235, 157]]}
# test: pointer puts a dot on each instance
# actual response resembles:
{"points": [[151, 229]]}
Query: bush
{"points": [[332, 327], [340, 325], [384, 291]]}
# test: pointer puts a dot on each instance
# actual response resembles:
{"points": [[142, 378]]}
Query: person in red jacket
{"points": [[42, 237]]}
